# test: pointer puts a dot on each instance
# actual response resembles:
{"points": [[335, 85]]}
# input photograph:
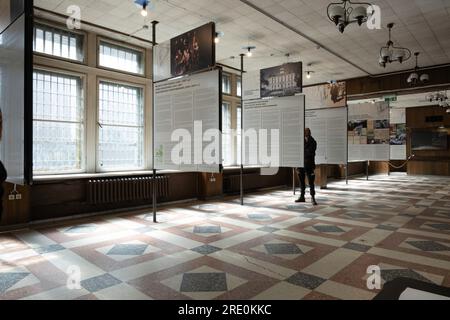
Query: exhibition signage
{"points": [[329, 129], [188, 53], [280, 81], [274, 132], [187, 123], [398, 134], [330, 95], [368, 132]]}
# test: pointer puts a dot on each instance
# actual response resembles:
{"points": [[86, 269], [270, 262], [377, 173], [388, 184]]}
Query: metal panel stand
{"points": [[242, 130], [154, 198]]}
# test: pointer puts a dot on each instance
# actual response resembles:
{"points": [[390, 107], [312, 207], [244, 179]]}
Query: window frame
{"points": [[84, 159], [143, 51], [229, 75], [98, 168], [55, 25], [238, 80]]}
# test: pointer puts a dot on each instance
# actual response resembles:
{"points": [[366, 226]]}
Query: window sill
{"points": [[105, 175]]}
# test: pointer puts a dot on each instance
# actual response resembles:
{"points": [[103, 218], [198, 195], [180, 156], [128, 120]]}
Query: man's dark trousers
{"points": [[302, 174]]}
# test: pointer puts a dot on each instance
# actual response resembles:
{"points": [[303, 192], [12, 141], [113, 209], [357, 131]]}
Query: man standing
{"points": [[3, 174], [309, 169]]}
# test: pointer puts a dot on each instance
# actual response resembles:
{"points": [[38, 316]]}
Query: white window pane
{"points": [[226, 84], [58, 123], [57, 42], [226, 135], [121, 58], [121, 135], [239, 136]]}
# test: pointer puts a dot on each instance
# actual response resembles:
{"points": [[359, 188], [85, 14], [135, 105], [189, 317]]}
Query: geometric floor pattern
{"points": [[269, 249]]}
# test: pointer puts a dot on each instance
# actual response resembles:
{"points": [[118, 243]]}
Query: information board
{"points": [[398, 135], [368, 132], [278, 125], [12, 102], [329, 129], [187, 123]]}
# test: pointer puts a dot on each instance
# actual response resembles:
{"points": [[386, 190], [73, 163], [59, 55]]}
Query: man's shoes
{"points": [[314, 202], [300, 200]]}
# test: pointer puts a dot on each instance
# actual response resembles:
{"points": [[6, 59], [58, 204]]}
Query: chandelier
{"points": [[347, 12], [416, 79], [439, 98], [391, 53]]}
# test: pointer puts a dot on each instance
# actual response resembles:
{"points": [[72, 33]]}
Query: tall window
{"points": [[121, 127], [226, 83], [226, 135], [58, 42], [238, 135], [58, 123], [121, 58], [239, 87]]}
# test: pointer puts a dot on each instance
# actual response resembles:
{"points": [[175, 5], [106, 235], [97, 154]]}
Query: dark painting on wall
{"points": [[193, 51], [282, 81]]}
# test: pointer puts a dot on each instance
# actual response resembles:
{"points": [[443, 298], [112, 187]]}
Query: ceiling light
{"points": [[439, 98], [249, 50], [347, 12], [143, 4], [391, 53], [218, 36], [416, 79]]}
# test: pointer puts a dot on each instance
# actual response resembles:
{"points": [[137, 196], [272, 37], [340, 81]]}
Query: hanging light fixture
{"points": [[347, 12], [309, 73], [219, 35], [439, 98], [144, 5], [414, 78], [249, 50], [391, 53]]}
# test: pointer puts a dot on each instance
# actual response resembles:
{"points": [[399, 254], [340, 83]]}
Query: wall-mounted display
{"points": [[330, 95], [193, 51], [282, 81]]}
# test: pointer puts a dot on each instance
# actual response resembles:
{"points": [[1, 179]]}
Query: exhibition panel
{"points": [[190, 52], [274, 132], [330, 95], [329, 128], [368, 132], [280, 81], [398, 136], [187, 123], [12, 99]]}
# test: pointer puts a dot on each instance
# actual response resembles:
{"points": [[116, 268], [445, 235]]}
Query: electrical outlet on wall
{"points": [[18, 196], [12, 197]]}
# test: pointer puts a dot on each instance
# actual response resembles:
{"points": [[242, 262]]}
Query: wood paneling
{"points": [[210, 185], [15, 212], [395, 82], [427, 162]]}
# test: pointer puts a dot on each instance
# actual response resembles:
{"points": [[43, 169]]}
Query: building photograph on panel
{"points": [[221, 151]]}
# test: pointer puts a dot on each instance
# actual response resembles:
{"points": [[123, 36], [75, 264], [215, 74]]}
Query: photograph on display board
{"points": [[357, 132], [331, 95], [193, 51], [281, 81], [398, 135]]}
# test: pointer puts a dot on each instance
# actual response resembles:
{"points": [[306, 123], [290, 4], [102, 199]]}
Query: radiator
{"points": [[108, 191]]}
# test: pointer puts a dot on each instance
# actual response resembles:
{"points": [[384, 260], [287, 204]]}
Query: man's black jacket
{"points": [[310, 154]]}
